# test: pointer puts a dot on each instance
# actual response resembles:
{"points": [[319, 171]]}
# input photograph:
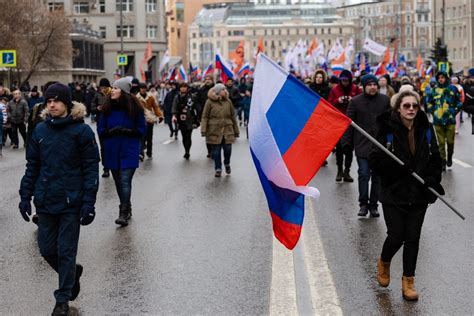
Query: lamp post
{"points": [[122, 68]]}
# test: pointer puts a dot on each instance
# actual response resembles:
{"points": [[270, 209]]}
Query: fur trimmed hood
{"points": [[78, 112], [213, 96]]}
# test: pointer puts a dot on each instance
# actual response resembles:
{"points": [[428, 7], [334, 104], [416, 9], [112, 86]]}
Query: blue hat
{"points": [[470, 72], [368, 79]]}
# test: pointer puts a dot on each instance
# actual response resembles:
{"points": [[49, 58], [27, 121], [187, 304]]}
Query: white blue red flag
{"points": [[245, 70], [209, 69], [226, 70], [182, 75], [292, 130]]}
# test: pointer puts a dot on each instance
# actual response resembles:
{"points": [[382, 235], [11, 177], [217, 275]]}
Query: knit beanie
{"points": [[368, 79], [59, 92], [345, 74], [219, 87], [104, 82], [470, 73], [123, 84]]}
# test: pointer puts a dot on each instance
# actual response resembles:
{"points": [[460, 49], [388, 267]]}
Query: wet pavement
{"points": [[202, 245]]}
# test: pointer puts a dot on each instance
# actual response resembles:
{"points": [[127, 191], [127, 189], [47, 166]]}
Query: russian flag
{"points": [[245, 70], [291, 132], [226, 72], [182, 76], [209, 69]]}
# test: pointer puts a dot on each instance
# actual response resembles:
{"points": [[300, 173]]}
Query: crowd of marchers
{"points": [[417, 120]]}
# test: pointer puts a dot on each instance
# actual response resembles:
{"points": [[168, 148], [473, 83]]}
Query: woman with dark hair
{"points": [[406, 131], [122, 125]]}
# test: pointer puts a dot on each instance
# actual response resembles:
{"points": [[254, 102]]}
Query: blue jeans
{"points": [[216, 154], [58, 237], [365, 175], [123, 184]]}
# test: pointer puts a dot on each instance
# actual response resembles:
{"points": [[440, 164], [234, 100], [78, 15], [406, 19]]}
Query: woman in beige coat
{"points": [[219, 126]]}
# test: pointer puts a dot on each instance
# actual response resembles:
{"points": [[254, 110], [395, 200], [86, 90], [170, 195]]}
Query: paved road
{"points": [[201, 245]]}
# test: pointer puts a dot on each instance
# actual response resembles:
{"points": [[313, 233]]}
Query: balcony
{"points": [[422, 8]]}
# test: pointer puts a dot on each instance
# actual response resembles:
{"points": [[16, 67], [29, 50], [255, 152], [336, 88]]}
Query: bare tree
{"points": [[40, 37]]}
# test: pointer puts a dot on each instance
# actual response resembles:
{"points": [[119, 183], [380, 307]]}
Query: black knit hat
{"points": [[59, 92], [104, 82], [368, 79]]}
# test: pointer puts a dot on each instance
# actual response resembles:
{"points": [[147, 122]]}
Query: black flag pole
{"points": [[414, 174]]}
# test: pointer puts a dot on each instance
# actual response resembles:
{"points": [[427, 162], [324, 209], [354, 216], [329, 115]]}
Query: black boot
{"points": [[77, 285], [339, 174], [443, 165], [123, 213], [106, 173], [129, 212], [373, 211], [363, 210], [449, 162], [346, 175], [60, 309]]}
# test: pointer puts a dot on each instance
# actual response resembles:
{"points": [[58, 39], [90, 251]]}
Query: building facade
{"points": [[406, 21], [180, 14], [222, 28], [458, 30], [143, 22]]}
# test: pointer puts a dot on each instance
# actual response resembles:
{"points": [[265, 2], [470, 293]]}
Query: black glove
{"points": [[87, 214], [432, 183], [160, 119], [25, 209]]}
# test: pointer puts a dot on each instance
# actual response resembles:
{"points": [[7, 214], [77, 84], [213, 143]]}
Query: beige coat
{"points": [[218, 119]]}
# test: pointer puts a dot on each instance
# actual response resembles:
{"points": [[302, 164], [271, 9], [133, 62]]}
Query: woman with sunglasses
{"points": [[406, 132]]}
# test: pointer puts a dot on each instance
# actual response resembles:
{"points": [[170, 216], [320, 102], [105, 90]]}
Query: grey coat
{"points": [[18, 112]]}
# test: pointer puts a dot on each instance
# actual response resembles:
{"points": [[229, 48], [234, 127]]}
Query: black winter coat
{"points": [[321, 89], [62, 170], [168, 105], [185, 109], [399, 187], [363, 110]]}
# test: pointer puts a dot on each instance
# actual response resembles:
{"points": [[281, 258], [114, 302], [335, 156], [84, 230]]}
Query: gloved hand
{"points": [[25, 209], [431, 182], [160, 119], [87, 214]]}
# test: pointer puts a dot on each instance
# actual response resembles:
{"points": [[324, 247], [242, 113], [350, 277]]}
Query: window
{"points": [[103, 31], [422, 31], [340, 30], [194, 46], [254, 33], [408, 43], [408, 30], [151, 31], [454, 32], [329, 31], [408, 18], [238, 33], [128, 31], [54, 6], [178, 33], [218, 33], [127, 5], [180, 11], [150, 6], [81, 7], [455, 53], [102, 6]]}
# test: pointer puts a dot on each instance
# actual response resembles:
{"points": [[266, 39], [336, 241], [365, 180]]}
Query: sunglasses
{"points": [[407, 106]]}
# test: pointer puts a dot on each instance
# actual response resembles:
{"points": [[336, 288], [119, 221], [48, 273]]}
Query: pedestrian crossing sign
{"points": [[7, 58], [443, 66], [122, 60]]}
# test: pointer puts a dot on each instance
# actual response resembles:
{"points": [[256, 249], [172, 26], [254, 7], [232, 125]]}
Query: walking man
{"points": [[62, 174], [18, 111], [363, 110]]}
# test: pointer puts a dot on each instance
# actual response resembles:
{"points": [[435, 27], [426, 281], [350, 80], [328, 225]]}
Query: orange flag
{"points": [[419, 62], [260, 48], [339, 60], [386, 57], [146, 57], [312, 47], [237, 56]]}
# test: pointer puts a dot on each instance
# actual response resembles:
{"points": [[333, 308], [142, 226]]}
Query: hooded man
{"points": [[444, 103], [62, 174], [468, 105], [320, 84], [363, 110], [340, 96]]}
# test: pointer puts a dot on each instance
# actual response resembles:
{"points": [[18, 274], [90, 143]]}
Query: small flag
{"points": [[209, 69], [226, 72], [245, 70], [182, 75], [292, 130]]}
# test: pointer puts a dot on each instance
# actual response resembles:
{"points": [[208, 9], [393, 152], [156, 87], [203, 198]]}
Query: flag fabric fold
{"points": [[225, 69], [292, 130]]}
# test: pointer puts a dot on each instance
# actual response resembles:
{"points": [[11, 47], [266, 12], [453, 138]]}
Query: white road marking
{"points": [[462, 163], [169, 141], [283, 299]]}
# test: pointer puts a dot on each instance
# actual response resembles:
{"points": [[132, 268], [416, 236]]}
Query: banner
{"points": [[374, 47]]}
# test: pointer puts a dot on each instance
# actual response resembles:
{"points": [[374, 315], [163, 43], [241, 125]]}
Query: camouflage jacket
{"points": [[444, 103]]}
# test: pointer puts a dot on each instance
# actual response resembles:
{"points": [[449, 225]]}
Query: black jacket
{"points": [[468, 105], [363, 110], [321, 89], [62, 170], [184, 107], [399, 187], [202, 97]]}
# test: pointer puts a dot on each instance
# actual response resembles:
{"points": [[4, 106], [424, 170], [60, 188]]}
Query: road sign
{"points": [[7, 58], [122, 60], [443, 66]]}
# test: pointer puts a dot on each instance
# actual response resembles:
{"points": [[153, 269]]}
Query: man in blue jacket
{"points": [[62, 173]]}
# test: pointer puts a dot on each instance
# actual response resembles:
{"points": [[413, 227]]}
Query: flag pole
{"points": [[414, 174]]}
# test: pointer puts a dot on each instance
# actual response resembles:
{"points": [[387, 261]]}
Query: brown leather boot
{"points": [[408, 289], [383, 273]]}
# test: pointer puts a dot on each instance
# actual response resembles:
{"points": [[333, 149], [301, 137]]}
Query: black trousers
{"points": [[187, 142], [340, 157], [15, 128], [403, 229], [58, 238], [147, 140]]}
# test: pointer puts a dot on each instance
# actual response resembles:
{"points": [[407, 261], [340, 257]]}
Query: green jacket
{"points": [[444, 103], [218, 120]]}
